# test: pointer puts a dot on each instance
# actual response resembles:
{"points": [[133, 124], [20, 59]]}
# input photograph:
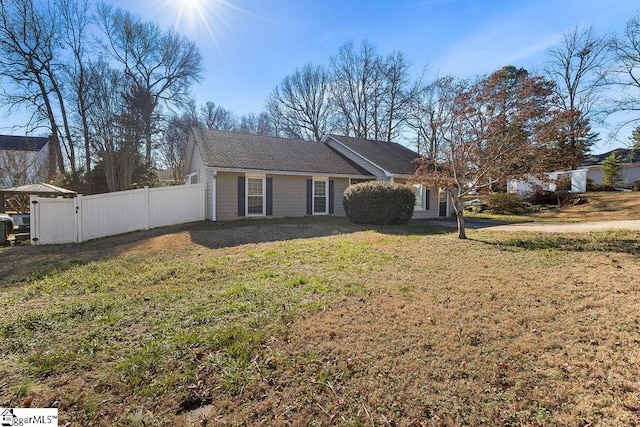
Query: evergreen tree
{"points": [[611, 169]]}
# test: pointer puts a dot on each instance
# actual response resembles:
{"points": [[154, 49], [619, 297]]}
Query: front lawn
{"points": [[307, 323]]}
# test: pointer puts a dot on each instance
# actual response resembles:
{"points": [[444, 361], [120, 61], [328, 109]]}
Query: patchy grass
{"points": [[345, 326], [600, 206]]}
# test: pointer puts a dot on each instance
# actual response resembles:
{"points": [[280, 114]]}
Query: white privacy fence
{"points": [[90, 217]]}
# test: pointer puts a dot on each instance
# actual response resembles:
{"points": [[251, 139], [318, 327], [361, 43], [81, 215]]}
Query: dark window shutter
{"points": [[269, 196], [241, 193], [427, 196], [309, 196], [331, 201]]}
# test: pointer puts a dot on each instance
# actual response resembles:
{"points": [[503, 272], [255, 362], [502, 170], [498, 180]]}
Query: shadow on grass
{"points": [[620, 241], [242, 232], [24, 263]]}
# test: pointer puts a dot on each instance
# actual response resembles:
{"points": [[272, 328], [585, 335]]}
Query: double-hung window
{"points": [[320, 196], [255, 195]]}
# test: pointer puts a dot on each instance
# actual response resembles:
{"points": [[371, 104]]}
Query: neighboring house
{"points": [[24, 160], [168, 177], [630, 166], [527, 186], [263, 176]]}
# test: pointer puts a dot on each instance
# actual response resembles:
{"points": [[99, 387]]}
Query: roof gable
{"points": [[390, 156], [628, 156], [232, 150], [22, 143]]}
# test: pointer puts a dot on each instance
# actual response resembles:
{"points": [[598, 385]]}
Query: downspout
{"points": [[214, 213]]}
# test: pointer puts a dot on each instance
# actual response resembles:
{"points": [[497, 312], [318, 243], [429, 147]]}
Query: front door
{"points": [[442, 203]]}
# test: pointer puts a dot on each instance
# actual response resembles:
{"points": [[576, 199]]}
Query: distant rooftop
{"points": [[628, 156], [22, 143]]}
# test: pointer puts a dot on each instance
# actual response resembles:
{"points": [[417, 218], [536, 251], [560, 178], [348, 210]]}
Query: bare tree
{"points": [[578, 65], [399, 94], [76, 19], [356, 77], [626, 72], [214, 116], [371, 93], [176, 137], [116, 126], [492, 135], [160, 65], [301, 104], [430, 114], [29, 45], [257, 124]]}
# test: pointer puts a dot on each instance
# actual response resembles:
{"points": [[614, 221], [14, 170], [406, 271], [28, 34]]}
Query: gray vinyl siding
{"points": [[227, 200], [197, 164], [205, 176], [379, 173], [289, 195], [339, 185]]}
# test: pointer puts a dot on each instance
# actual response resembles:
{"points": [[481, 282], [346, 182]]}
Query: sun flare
{"points": [[199, 19], [193, 16]]}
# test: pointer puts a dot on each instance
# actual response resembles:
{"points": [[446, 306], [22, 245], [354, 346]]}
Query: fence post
{"points": [[79, 218], [146, 208], [34, 220]]}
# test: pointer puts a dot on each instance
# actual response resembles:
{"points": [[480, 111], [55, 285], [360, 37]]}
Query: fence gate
{"points": [[53, 221]]}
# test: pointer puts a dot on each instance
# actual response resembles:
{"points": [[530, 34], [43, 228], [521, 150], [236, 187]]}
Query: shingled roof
{"points": [[627, 155], [231, 150], [22, 143], [392, 157]]}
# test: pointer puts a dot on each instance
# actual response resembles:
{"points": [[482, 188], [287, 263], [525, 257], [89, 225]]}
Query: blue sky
{"points": [[249, 46]]}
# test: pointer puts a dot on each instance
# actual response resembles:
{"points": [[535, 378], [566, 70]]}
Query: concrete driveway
{"points": [[543, 227], [575, 227]]}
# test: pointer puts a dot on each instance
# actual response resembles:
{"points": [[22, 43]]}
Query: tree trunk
{"points": [[458, 207]]}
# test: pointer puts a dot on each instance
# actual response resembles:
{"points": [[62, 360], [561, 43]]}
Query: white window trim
{"points": [[262, 177], [421, 206], [190, 177], [326, 195]]}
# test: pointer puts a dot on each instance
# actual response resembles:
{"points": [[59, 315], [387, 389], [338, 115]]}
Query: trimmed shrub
{"points": [[505, 203], [556, 198], [601, 187], [379, 203], [636, 185]]}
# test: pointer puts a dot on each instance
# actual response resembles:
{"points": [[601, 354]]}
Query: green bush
{"points": [[636, 185], [556, 198], [378, 203], [601, 187], [591, 186], [505, 203]]}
